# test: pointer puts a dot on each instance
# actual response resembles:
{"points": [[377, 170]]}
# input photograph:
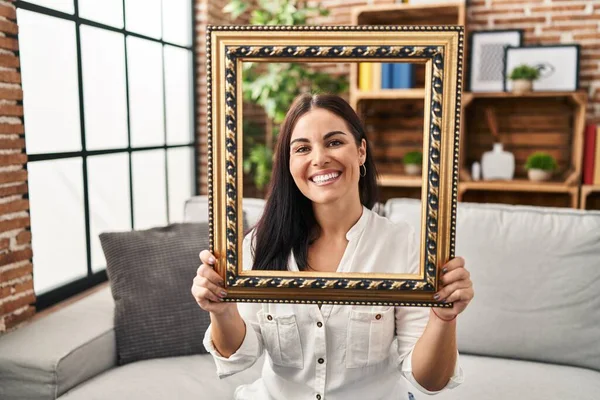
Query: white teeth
{"points": [[326, 177]]}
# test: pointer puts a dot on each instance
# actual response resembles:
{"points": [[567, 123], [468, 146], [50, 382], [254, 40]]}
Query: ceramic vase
{"points": [[498, 164]]}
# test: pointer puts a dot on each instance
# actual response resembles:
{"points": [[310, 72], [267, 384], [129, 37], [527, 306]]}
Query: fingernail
{"points": [[222, 284], [436, 296], [444, 270], [211, 260], [223, 293]]}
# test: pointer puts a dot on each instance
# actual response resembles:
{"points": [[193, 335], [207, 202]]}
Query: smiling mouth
{"points": [[322, 180]]}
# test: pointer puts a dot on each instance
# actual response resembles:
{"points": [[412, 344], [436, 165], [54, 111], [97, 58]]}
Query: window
{"points": [[109, 104]]}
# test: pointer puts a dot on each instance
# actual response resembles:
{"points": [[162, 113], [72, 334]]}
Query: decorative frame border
{"points": [[440, 48]]}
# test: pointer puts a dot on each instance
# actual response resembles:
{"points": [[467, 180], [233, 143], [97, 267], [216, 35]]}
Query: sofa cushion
{"points": [[53, 354], [534, 271], [182, 378], [151, 273], [196, 210], [489, 378]]}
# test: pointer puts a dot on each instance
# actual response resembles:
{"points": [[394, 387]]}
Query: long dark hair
{"points": [[288, 222]]}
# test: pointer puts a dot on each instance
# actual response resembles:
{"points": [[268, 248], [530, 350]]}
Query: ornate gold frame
{"points": [[440, 48]]}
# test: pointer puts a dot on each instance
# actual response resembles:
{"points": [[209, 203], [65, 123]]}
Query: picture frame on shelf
{"points": [[558, 66], [487, 51], [439, 49]]}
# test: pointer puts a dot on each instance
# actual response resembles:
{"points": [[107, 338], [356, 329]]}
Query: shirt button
{"points": [[318, 397], [321, 361], [319, 324], [269, 318], [378, 316]]}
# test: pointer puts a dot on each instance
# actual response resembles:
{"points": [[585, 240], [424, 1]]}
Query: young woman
{"points": [[318, 218]]}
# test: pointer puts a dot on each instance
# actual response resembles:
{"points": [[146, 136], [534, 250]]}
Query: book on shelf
{"points": [[365, 76], [597, 157], [377, 76], [402, 76], [386, 75], [591, 155]]}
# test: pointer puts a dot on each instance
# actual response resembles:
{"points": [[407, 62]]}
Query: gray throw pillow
{"points": [[151, 273]]}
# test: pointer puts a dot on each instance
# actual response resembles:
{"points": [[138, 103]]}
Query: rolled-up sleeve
{"points": [[252, 346], [406, 369], [249, 351]]}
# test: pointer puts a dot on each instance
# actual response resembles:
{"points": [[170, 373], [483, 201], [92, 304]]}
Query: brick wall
{"points": [[16, 283], [550, 22]]}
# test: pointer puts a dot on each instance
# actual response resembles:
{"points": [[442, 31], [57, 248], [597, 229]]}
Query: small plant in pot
{"points": [[523, 77], [412, 162], [540, 166]]}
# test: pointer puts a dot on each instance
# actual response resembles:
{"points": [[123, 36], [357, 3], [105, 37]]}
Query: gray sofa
{"points": [[532, 331]]}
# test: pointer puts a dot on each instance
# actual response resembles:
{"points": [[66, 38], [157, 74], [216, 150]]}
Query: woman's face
{"points": [[324, 159]]}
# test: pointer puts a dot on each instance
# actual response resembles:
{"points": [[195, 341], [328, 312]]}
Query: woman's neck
{"points": [[335, 220]]}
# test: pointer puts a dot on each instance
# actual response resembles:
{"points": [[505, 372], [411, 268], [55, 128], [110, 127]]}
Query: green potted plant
{"points": [[523, 77], [413, 161], [540, 166]]}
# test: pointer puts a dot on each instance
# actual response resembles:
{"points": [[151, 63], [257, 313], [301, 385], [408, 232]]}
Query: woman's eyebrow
{"points": [[327, 136]]}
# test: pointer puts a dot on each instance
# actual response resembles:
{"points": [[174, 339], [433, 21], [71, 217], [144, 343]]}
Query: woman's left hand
{"points": [[457, 288]]}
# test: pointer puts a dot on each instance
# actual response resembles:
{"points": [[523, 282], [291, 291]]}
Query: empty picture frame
{"points": [[440, 49], [487, 51], [558, 66]]}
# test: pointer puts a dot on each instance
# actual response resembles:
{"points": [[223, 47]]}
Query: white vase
{"points": [[539, 175], [498, 164], [412, 169], [476, 171], [520, 86]]}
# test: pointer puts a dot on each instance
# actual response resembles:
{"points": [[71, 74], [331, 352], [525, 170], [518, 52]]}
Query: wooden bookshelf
{"points": [[537, 121], [394, 117], [410, 14], [395, 180], [590, 197], [552, 122]]}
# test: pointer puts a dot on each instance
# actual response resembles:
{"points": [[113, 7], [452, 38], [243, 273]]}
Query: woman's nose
{"points": [[320, 156]]}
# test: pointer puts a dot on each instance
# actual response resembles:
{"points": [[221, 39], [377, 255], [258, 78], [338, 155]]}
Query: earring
{"points": [[365, 169]]}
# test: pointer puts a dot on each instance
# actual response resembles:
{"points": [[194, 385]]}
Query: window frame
{"points": [[92, 279]]}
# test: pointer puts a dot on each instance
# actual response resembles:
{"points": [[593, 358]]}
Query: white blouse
{"points": [[336, 352]]}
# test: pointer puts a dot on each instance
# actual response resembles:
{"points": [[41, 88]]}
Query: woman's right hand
{"points": [[208, 287]]}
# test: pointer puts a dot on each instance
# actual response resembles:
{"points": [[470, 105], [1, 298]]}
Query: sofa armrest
{"points": [[49, 356]]}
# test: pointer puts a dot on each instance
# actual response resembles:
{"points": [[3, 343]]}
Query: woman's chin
{"points": [[323, 199]]}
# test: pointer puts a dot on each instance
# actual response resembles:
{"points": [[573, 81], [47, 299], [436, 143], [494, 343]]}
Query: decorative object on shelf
{"points": [[476, 171], [540, 166], [523, 77], [558, 66], [498, 163], [486, 67], [413, 161]]}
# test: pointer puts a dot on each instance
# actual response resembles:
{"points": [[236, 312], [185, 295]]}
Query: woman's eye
{"points": [[335, 143], [301, 149]]}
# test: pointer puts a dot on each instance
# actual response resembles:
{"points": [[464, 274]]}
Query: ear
{"points": [[362, 151]]}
